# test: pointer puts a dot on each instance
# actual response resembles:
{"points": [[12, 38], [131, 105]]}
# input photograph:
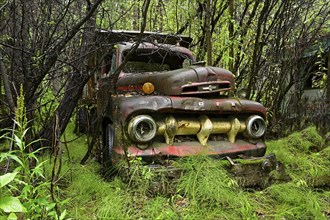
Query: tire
{"points": [[108, 142], [85, 120], [81, 121]]}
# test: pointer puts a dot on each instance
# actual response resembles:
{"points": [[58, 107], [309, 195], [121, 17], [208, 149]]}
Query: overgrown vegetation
{"points": [[205, 190], [24, 186], [48, 47]]}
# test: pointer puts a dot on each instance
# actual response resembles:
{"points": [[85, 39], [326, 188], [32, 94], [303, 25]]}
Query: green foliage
{"points": [[159, 208], [140, 176], [48, 102], [25, 190], [20, 114], [93, 197], [9, 204], [208, 187], [319, 78], [291, 201]]}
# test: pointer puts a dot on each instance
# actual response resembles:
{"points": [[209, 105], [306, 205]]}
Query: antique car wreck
{"points": [[165, 104]]}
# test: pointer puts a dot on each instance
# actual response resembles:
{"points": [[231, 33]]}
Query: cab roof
{"points": [[117, 36]]}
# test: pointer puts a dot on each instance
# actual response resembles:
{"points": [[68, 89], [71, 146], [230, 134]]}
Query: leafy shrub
{"points": [[25, 190]]}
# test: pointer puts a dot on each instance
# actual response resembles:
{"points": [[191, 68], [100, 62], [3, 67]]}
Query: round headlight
{"points": [[142, 128], [255, 126]]}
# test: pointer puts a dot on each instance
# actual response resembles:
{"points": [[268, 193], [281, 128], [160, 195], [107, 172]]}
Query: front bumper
{"points": [[213, 148]]}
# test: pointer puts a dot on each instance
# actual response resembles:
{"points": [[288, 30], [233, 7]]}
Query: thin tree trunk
{"points": [[114, 79], [6, 85], [231, 34], [328, 82], [208, 35]]}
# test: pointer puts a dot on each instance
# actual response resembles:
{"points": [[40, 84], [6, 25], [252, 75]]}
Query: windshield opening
{"points": [[154, 60]]}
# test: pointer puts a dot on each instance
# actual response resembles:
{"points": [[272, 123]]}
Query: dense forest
{"points": [[277, 49], [273, 47]]}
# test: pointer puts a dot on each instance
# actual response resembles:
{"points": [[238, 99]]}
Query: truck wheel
{"points": [[81, 121], [108, 141]]}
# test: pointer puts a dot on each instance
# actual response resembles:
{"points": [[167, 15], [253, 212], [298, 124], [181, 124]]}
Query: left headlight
{"points": [[255, 126], [142, 128]]}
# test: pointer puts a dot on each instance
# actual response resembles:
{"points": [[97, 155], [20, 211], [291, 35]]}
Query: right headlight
{"points": [[255, 126], [142, 128]]}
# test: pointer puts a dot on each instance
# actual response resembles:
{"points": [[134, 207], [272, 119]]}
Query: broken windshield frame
{"points": [[155, 60]]}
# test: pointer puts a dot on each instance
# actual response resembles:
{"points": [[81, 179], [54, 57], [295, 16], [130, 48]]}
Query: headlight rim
{"points": [[132, 128], [261, 127]]}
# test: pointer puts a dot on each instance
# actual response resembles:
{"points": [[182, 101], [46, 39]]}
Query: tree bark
{"points": [[54, 53], [231, 34], [328, 82], [6, 85], [208, 34]]}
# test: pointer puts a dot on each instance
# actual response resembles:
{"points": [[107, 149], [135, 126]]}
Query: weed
{"points": [[207, 186]]}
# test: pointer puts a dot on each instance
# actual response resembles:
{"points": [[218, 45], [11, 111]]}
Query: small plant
{"points": [[140, 176]]}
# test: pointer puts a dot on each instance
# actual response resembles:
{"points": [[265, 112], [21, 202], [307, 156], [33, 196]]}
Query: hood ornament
{"points": [[209, 88]]}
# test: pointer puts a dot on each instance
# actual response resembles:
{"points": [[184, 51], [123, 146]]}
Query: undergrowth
{"points": [[206, 191]]}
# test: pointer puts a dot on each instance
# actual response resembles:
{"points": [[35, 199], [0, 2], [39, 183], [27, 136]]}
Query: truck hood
{"points": [[192, 80]]}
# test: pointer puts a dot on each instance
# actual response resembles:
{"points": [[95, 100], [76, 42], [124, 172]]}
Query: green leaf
{"points": [[11, 204], [63, 215], [19, 142], [7, 178], [50, 206], [12, 216], [17, 159]]}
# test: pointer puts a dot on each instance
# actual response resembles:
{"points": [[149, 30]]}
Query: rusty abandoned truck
{"points": [[165, 104]]}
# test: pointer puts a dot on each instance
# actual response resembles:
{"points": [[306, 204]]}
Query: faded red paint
{"points": [[130, 88], [194, 148]]}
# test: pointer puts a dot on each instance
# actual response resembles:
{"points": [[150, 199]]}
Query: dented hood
{"points": [[186, 81]]}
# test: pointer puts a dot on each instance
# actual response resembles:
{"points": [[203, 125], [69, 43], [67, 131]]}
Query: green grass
{"points": [[205, 190]]}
